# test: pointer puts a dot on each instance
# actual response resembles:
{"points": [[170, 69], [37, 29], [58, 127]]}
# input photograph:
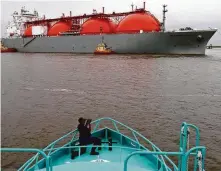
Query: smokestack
{"points": [[62, 14], [103, 9], [70, 13], [144, 5], [43, 16]]}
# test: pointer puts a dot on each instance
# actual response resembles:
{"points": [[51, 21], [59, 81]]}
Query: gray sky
{"points": [[182, 13]]}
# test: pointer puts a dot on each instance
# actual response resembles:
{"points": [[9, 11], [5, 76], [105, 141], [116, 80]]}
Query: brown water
{"points": [[44, 94]]}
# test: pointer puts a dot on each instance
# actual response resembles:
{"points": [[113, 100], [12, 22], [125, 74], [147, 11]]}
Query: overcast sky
{"points": [[182, 13]]}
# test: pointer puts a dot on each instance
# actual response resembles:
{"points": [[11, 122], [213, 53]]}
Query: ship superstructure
{"points": [[16, 27]]}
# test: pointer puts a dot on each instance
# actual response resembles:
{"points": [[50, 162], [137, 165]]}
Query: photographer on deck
{"points": [[85, 137]]}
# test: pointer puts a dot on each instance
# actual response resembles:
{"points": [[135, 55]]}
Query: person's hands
{"points": [[89, 126]]}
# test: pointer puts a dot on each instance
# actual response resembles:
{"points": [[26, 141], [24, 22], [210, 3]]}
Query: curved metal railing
{"points": [[135, 134], [49, 167], [160, 156], [28, 150], [50, 148], [202, 149]]}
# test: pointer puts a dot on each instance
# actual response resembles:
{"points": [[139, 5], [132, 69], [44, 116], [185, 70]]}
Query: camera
{"points": [[87, 121]]}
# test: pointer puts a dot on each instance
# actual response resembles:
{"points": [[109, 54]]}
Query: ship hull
{"points": [[185, 42]]}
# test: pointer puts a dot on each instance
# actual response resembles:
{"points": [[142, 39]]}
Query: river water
{"points": [[44, 94]]}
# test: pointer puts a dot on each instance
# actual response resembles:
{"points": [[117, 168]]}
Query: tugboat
{"points": [[118, 151], [5, 49], [103, 49], [210, 46]]}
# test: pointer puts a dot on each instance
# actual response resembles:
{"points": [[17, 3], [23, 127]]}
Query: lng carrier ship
{"points": [[135, 32]]}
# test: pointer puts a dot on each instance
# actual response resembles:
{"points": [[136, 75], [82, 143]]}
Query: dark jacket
{"points": [[84, 131]]}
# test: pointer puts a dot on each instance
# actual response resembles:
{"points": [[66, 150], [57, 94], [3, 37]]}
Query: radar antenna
{"points": [[132, 7], [164, 17]]}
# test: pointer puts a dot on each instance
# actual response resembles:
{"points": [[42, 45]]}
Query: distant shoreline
{"points": [[211, 47], [216, 46]]}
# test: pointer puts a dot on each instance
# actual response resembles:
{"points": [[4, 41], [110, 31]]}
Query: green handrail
{"points": [[202, 149], [149, 153], [132, 130], [97, 122], [184, 162], [47, 157], [135, 134], [48, 165], [28, 150], [183, 141]]}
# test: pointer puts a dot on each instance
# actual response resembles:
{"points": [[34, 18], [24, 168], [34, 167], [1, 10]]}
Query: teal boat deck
{"points": [[128, 152], [85, 166], [109, 159]]}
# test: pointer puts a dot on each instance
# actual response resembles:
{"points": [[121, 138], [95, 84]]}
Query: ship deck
{"points": [[111, 161], [79, 166]]}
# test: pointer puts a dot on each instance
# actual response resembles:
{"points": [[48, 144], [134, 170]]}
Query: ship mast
{"points": [[164, 17]]}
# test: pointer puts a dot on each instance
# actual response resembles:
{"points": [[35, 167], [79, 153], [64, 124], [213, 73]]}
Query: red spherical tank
{"points": [[138, 21], [59, 27], [97, 26], [28, 32]]}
